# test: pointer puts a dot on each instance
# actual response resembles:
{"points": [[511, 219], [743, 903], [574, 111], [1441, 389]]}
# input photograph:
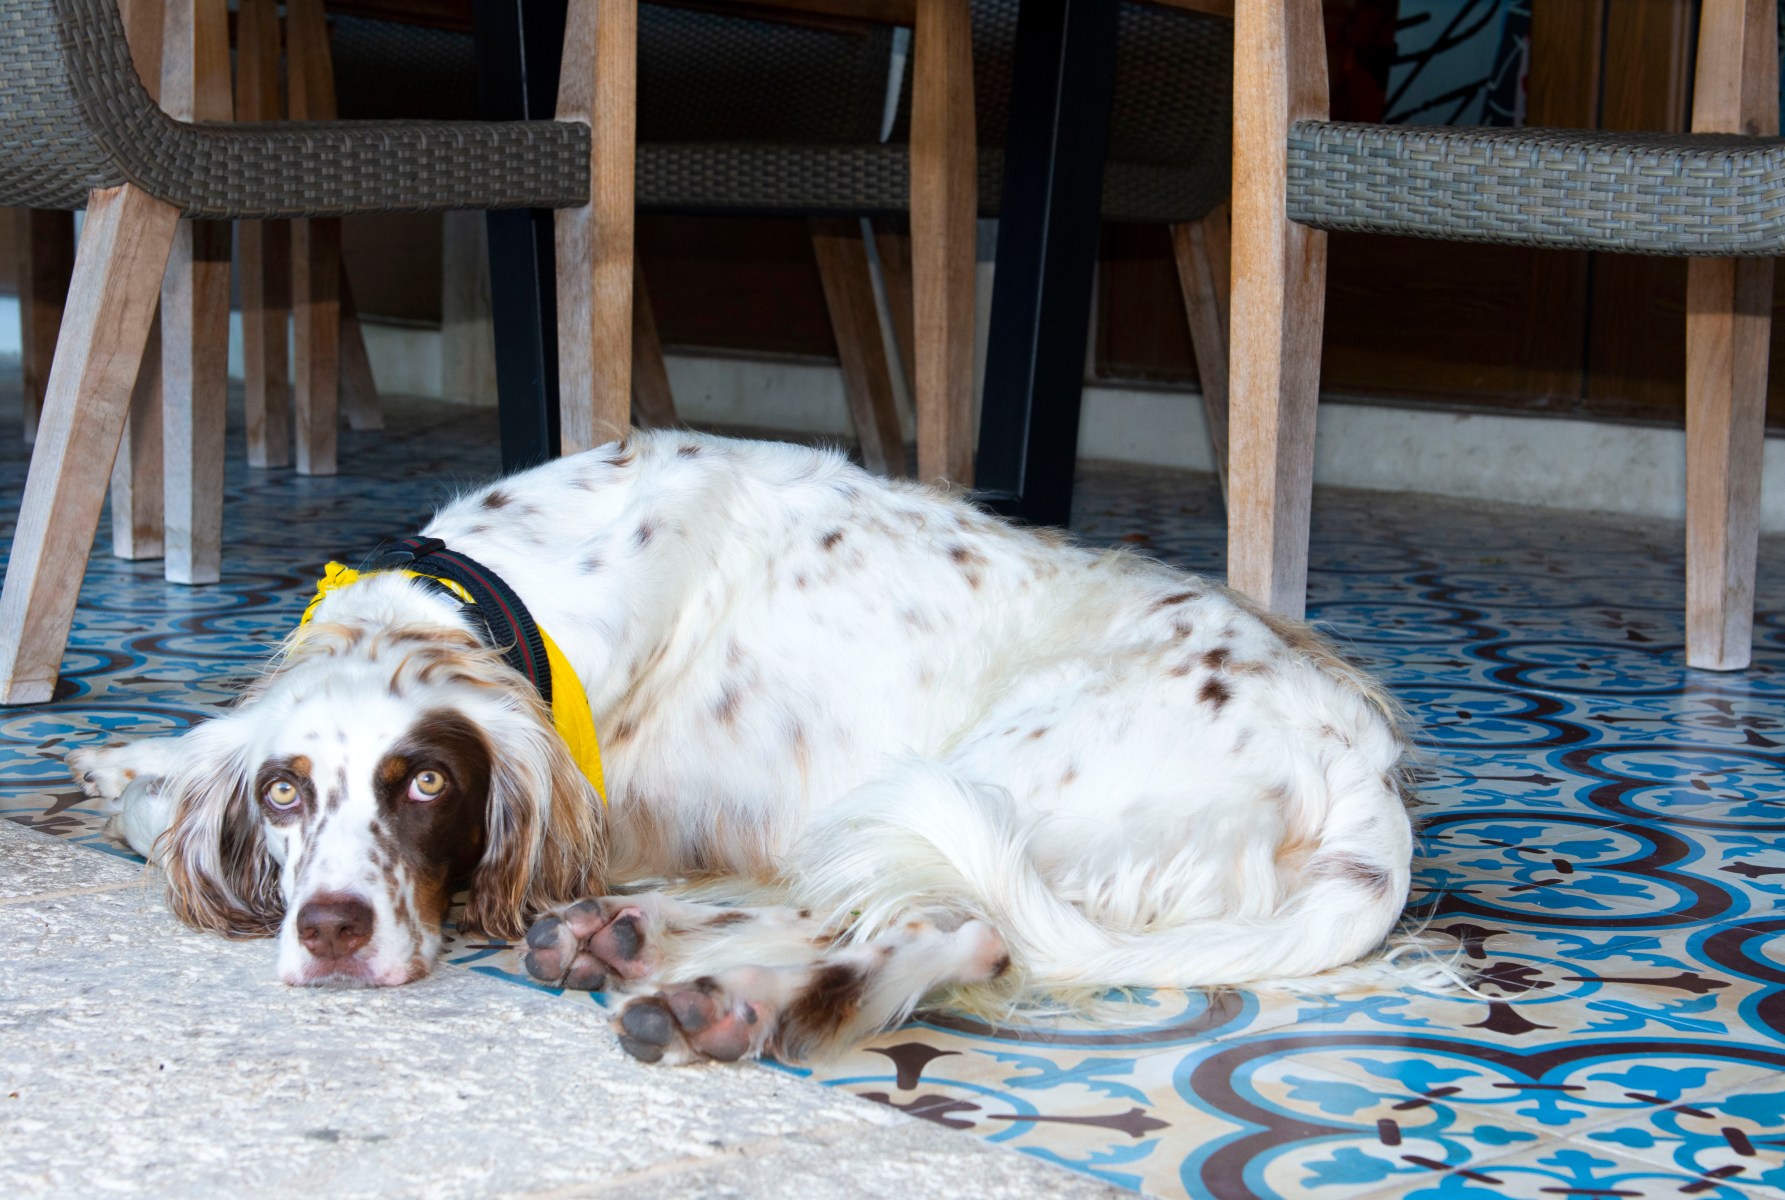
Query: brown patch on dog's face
{"points": [[440, 839], [284, 790]]}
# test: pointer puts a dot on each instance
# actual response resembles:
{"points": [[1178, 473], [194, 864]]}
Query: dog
{"points": [[860, 743]]}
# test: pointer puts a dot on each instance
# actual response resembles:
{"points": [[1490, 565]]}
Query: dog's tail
{"points": [[921, 837]]}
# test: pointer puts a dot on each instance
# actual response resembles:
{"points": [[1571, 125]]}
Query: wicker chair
{"points": [[1716, 196], [78, 129], [742, 116]]}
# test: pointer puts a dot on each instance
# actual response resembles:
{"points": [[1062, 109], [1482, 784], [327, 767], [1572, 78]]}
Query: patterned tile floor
{"points": [[1604, 833]]}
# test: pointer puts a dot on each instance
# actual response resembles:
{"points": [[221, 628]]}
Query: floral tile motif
{"points": [[1603, 837], [1737, 1138], [1533, 983], [1559, 1169]]}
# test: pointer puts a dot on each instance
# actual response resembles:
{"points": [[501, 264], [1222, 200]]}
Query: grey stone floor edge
{"points": [[138, 1057]]}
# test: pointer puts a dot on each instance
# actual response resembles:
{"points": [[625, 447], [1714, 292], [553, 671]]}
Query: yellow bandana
{"points": [[570, 704]]}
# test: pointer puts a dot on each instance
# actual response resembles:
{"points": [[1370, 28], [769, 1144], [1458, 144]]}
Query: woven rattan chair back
{"points": [[76, 117]]}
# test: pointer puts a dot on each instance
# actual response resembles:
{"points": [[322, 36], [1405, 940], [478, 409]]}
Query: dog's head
{"points": [[381, 764]]}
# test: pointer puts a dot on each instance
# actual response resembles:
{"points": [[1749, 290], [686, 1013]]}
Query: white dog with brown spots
{"points": [[945, 751]]}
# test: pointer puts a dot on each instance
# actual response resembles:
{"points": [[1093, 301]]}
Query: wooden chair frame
{"points": [[1279, 292]]}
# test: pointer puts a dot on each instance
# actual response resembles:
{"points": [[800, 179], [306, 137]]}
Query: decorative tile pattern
{"points": [[1604, 837]]}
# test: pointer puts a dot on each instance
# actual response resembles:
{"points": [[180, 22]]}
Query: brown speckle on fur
{"points": [[647, 529], [830, 539], [731, 916], [495, 498], [1368, 876], [1173, 599], [1214, 693], [687, 450], [824, 1007]]}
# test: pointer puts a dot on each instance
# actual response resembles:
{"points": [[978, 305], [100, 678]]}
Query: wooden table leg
{"points": [[1048, 230], [1279, 300], [520, 46], [111, 303]]}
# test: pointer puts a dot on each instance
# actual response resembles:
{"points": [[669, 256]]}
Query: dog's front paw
{"points": [[591, 945], [103, 772]]}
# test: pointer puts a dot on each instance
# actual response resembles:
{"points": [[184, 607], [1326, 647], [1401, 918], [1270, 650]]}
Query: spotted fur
{"points": [[949, 752]]}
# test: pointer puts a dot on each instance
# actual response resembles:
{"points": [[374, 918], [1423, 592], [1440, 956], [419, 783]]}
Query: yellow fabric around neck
{"points": [[570, 704]]}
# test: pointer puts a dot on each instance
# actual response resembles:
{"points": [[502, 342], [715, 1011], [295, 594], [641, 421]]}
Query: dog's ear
{"points": [[546, 836], [220, 874]]}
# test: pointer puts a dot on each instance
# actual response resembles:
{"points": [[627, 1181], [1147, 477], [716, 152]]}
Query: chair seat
{"points": [[337, 168], [74, 117], [1711, 195], [772, 178]]}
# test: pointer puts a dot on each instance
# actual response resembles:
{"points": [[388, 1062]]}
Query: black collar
{"points": [[503, 620]]}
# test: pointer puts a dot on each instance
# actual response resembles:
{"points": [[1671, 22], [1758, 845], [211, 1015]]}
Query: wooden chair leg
{"points": [[598, 85], [944, 206], [867, 379], [111, 302], [653, 403], [1203, 257], [359, 391], [195, 86], [138, 490], [194, 399], [1279, 298], [315, 254], [1729, 305], [45, 262], [138, 486], [1728, 330], [894, 249], [316, 332], [264, 254]]}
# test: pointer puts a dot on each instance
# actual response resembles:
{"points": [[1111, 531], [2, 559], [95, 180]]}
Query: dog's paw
{"points": [[591, 945], [693, 1022], [103, 772]]}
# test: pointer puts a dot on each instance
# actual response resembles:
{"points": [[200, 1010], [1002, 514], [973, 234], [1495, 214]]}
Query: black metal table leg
{"points": [[519, 45], [1063, 77]]}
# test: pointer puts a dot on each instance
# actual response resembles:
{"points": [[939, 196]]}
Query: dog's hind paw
{"points": [[693, 1022]]}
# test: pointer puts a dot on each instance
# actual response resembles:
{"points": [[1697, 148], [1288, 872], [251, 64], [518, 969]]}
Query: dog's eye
{"points": [[281, 794], [426, 785]]}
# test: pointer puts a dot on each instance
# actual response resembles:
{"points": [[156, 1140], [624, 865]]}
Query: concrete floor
{"points": [[138, 1057]]}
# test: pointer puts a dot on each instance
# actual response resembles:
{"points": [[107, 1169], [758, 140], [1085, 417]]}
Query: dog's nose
{"points": [[334, 926]]}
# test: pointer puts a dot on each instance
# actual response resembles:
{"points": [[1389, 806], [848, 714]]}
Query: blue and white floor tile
{"points": [[1604, 836]]}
